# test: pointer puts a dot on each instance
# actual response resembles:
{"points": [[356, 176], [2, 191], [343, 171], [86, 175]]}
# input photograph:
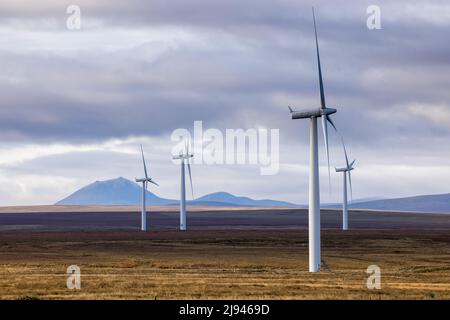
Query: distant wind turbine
{"points": [[184, 157], [314, 191], [144, 182], [346, 170]]}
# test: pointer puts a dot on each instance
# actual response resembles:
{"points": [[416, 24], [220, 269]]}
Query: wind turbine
{"points": [[144, 182], [314, 191], [346, 170], [184, 157]]}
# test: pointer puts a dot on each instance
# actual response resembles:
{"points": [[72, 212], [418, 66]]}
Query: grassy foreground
{"points": [[224, 265]]}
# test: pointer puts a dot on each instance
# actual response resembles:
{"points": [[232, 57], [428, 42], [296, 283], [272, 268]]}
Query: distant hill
{"points": [[228, 198], [427, 203], [118, 191], [121, 191], [355, 201], [369, 199]]}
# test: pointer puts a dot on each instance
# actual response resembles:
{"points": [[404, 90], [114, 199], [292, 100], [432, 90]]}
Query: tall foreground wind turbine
{"points": [[314, 191], [184, 157], [145, 182], [346, 171]]}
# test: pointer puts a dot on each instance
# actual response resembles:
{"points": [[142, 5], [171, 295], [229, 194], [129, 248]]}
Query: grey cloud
{"points": [[240, 65]]}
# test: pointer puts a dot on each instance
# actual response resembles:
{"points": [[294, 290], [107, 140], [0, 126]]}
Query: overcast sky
{"points": [[75, 105]]}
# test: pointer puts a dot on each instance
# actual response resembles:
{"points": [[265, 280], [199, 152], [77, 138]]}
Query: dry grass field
{"points": [[224, 264]]}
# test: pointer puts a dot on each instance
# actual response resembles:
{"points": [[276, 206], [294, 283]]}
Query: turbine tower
{"points": [[346, 170], [144, 182], [314, 191], [184, 157]]}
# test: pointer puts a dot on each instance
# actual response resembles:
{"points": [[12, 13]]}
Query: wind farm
{"points": [[269, 219]]}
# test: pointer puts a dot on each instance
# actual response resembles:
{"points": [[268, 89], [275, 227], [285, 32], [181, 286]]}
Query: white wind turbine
{"points": [[346, 170], [184, 157], [314, 191], [144, 182]]}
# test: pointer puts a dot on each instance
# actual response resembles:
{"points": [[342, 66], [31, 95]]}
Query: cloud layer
{"points": [[139, 69]]}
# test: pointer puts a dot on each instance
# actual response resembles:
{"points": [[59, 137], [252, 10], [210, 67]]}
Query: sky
{"points": [[76, 104]]}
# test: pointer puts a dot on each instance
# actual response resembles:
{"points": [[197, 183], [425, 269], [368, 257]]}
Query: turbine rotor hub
{"points": [[327, 111]]}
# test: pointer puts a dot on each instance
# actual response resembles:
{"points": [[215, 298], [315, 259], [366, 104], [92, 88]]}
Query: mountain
{"points": [[229, 199], [118, 191], [426, 203], [335, 205], [121, 191], [368, 199]]}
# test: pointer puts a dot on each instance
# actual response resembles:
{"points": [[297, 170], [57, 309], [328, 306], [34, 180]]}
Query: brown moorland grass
{"points": [[243, 264]]}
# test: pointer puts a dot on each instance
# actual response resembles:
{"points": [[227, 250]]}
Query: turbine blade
{"points": [[146, 186], [350, 183], [349, 165], [143, 161], [332, 123], [190, 179], [345, 152], [151, 181], [290, 109], [322, 93], [342, 140], [325, 138], [189, 148]]}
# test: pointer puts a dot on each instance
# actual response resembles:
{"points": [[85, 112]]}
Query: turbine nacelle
{"points": [[183, 157], [327, 111], [345, 169], [146, 180], [316, 113], [349, 166], [305, 114]]}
